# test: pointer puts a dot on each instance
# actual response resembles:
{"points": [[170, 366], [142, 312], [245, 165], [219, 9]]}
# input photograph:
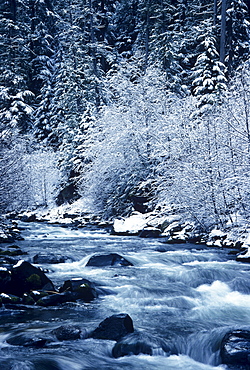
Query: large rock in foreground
{"points": [[111, 259], [235, 349], [25, 277], [114, 327]]}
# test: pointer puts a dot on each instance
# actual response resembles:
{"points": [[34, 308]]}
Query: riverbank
{"points": [[172, 228]]}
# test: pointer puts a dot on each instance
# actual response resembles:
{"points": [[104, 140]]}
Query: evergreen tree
{"points": [[208, 74], [15, 96], [237, 34], [42, 47], [126, 26]]}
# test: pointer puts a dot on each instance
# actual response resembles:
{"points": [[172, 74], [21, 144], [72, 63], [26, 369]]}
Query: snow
{"points": [[36, 292], [245, 246], [3, 295], [19, 263], [133, 224], [80, 208], [138, 222], [245, 255], [216, 232]]}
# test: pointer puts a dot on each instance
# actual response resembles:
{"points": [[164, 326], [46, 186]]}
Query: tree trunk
{"points": [[13, 10], [147, 37], [93, 54], [223, 31], [230, 44], [215, 12]]}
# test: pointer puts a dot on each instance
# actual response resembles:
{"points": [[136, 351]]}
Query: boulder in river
{"points": [[150, 232], [137, 343], [82, 288], [244, 255], [27, 340], [114, 327], [56, 299], [111, 259], [28, 217], [9, 298], [28, 300], [26, 277], [12, 251], [50, 258], [67, 332], [235, 348], [131, 346], [5, 279]]}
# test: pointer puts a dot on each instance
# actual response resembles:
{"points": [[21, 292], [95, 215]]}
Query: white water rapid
{"points": [[187, 297]]}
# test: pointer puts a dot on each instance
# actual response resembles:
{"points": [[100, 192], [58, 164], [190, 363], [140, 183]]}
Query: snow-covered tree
{"points": [[15, 97], [209, 80], [123, 149]]}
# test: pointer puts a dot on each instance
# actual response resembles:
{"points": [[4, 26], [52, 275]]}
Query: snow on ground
{"points": [[132, 225], [172, 225], [137, 222], [65, 213]]}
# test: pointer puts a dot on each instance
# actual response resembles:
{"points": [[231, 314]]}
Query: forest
{"points": [[132, 104]]}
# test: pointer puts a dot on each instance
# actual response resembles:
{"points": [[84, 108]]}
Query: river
{"points": [[188, 296]]}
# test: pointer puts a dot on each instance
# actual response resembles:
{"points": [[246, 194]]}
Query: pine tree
{"points": [[15, 96], [237, 34], [42, 48], [208, 74], [126, 26]]}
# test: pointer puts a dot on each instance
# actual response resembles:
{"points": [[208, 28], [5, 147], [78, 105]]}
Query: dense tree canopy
{"points": [[123, 93]]}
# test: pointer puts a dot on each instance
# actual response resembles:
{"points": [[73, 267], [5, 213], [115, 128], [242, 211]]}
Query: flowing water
{"points": [[187, 297]]}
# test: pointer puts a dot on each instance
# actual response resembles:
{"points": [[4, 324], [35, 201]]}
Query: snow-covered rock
{"points": [[131, 225], [244, 256]]}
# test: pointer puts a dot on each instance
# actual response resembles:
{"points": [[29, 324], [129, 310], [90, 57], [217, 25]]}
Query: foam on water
{"points": [[187, 296]]}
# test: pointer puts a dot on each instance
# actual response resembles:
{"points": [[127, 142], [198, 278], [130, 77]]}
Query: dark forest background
{"points": [[117, 101]]}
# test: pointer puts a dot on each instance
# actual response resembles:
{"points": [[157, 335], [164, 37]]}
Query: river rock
{"points": [[114, 327], [12, 252], [28, 300], [26, 277], [9, 298], [67, 332], [56, 299], [42, 258], [38, 294], [235, 348], [150, 232], [111, 259], [27, 340], [82, 288], [5, 279], [29, 217], [136, 343], [244, 255], [131, 346]]}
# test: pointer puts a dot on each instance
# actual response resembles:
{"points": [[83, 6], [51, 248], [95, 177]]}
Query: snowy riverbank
{"points": [[171, 228]]}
